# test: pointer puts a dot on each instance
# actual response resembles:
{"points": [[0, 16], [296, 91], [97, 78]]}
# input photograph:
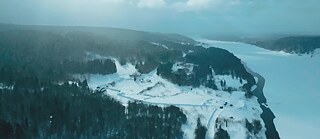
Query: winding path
{"points": [[210, 119]]}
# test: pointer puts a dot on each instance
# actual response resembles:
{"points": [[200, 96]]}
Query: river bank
{"points": [[267, 115]]}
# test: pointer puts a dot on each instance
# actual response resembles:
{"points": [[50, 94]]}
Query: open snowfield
{"points": [[197, 102], [292, 86]]}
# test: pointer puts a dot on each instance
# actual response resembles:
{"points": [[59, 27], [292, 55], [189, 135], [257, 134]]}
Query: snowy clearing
{"points": [[197, 102]]}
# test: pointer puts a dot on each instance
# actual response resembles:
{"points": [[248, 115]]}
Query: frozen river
{"points": [[292, 86]]}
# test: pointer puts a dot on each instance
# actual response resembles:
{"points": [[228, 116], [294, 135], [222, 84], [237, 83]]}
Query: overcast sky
{"points": [[190, 17]]}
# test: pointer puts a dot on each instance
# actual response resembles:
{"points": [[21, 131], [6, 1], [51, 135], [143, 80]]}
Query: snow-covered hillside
{"points": [[292, 86], [230, 110]]}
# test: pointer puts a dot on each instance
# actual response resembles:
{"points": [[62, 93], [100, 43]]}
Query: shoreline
{"points": [[267, 115]]}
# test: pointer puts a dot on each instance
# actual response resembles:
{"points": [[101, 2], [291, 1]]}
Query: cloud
{"points": [[178, 16], [192, 5], [151, 3], [187, 5], [112, 1]]}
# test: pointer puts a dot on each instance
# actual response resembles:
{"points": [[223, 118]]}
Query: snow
{"points": [[239, 111], [93, 56], [292, 86], [188, 67], [3, 86], [230, 82], [184, 43], [196, 102], [204, 113], [184, 54], [158, 44], [95, 80], [316, 52], [254, 87]]}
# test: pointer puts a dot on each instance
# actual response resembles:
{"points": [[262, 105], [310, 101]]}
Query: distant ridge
{"points": [[108, 32], [294, 44]]}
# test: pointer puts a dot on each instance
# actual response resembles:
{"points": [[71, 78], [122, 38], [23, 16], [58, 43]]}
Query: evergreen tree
{"points": [[221, 134], [200, 131]]}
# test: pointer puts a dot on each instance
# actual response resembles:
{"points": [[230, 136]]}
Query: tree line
{"points": [[75, 111]]}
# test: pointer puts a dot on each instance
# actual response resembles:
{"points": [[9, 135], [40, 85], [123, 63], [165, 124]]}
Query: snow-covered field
{"points": [[197, 102], [292, 86]]}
